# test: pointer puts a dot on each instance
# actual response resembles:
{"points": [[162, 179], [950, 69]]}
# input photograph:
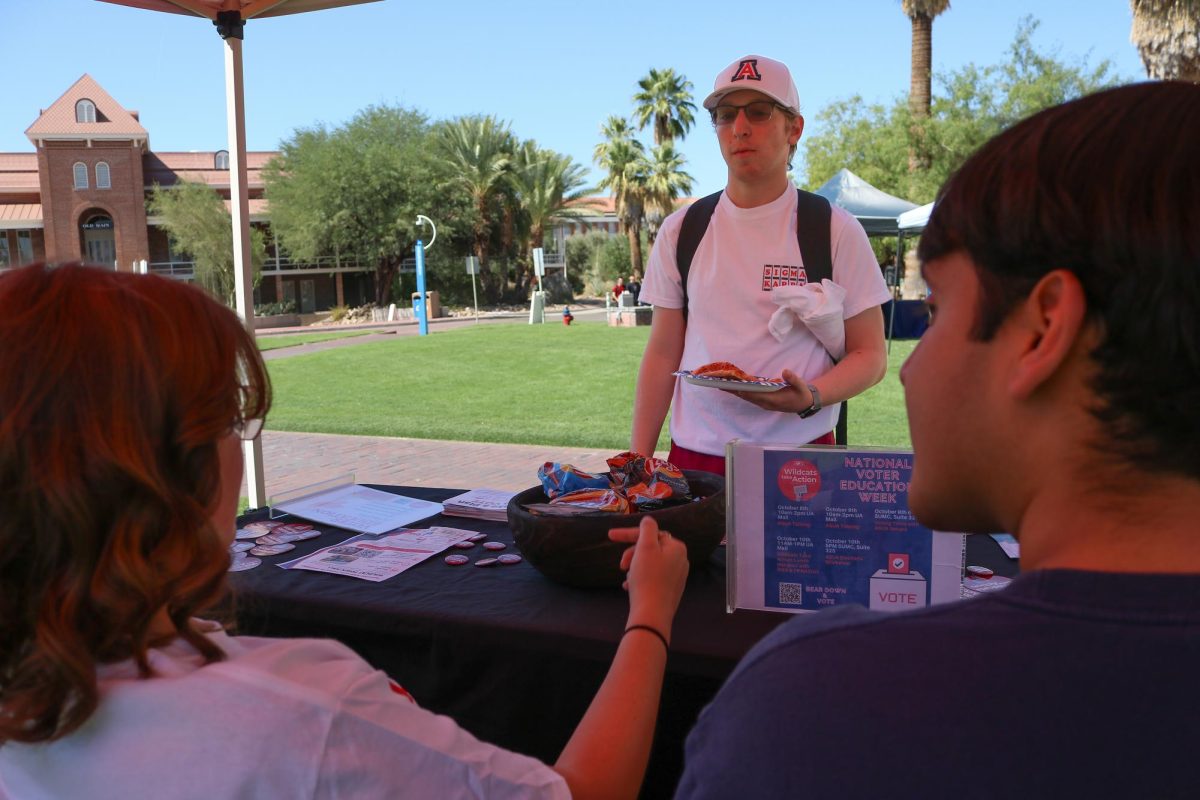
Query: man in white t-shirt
{"points": [[751, 237]]}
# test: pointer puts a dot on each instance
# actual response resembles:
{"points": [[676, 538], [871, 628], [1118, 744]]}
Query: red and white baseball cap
{"points": [[761, 74]]}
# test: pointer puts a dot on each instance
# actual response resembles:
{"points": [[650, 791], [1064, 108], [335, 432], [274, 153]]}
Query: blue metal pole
{"points": [[419, 306]]}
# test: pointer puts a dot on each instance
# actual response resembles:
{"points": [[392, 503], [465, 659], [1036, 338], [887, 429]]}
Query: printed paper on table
{"points": [[377, 558], [359, 508], [813, 527]]}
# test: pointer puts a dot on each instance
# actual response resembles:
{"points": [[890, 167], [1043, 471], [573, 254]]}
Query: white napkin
{"points": [[818, 307]]}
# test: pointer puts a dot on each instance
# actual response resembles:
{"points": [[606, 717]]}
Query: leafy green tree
{"points": [[666, 182], [665, 100], [479, 150], [354, 192], [623, 159], [974, 103], [198, 223], [547, 187]]}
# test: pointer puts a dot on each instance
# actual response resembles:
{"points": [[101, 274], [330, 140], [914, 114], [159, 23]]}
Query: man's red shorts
{"points": [[690, 459]]}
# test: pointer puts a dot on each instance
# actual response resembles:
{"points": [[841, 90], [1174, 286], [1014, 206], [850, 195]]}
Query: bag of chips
{"points": [[558, 479], [595, 499]]}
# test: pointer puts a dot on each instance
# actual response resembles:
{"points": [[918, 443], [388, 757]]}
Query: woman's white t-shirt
{"points": [[280, 718]]}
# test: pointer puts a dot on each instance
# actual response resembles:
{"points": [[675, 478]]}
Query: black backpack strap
{"points": [[812, 232], [695, 225]]}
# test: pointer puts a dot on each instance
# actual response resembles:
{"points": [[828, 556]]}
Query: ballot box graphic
{"points": [[897, 587]]}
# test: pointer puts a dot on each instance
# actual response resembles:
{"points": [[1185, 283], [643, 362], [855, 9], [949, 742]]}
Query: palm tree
{"points": [[920, 13], [665, 99], [480, 151], [623, 159], [1167, 35], [665, 183], [546, 185]]}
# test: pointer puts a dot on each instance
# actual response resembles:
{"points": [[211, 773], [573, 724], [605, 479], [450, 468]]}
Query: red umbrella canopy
{"points": [[248, 9]]}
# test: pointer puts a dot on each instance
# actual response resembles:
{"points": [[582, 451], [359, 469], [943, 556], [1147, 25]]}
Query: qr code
{"points": [[791, 594]]}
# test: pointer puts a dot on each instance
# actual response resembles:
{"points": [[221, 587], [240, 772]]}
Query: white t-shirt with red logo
{"points": [[280, 718], [745, 253]]}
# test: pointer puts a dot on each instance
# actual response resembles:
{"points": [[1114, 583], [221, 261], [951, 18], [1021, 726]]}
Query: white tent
{"points": [[875, 209], [914, 220]]}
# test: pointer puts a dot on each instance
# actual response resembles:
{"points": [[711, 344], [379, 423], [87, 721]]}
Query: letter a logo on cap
{"points": [[747, 71]]}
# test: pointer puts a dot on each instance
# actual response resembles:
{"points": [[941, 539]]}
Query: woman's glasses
{"points": [[757, 112], [248, 429]]}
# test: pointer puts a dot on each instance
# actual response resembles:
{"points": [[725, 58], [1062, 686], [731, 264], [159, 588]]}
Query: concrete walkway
{"points": [[294, 460]]}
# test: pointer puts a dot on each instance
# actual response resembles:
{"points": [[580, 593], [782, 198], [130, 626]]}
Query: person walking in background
{"points": [[634, 287]]}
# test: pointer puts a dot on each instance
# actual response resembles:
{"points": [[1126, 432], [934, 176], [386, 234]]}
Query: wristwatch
{"points": [[816, 404]]}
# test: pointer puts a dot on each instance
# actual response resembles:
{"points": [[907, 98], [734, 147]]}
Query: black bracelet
{"points": [[655, 631]]}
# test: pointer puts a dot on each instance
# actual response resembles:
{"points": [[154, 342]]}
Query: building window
{"points": [[85, 111], [4, 257], [103, 180], [24, 247], [221, 160], [80, 169]]}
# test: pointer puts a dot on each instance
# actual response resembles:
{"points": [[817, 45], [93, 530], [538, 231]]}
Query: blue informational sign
{"points": [[837, 529]]}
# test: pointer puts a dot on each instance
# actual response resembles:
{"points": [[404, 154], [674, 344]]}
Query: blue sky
{"points": [[554, 70]]}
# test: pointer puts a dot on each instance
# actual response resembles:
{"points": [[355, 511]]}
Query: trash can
{"points": [[433, 304], [537, 308]]}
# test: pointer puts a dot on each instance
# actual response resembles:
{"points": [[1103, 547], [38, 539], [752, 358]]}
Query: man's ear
{"points": [[1048, 324], [797, 130]]}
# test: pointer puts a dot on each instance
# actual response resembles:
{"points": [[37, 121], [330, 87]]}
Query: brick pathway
{"points": [[294, 460]]}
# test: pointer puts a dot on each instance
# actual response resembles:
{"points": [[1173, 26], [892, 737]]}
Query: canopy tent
{"points": [[876, 210], [229, 17], [914, 221]]}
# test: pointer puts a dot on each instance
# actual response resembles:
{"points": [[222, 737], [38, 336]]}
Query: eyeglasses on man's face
{"points": [[757, 112]]}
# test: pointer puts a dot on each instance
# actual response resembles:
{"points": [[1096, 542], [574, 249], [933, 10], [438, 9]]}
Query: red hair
{"points": [[116, 390]]}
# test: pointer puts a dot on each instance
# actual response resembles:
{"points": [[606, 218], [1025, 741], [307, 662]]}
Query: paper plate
{"points": [[735, 385]]}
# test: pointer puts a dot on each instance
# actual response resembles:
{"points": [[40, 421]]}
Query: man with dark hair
{"points": [[1055, 395]]}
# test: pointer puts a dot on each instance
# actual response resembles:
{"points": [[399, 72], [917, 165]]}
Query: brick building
{"points": [[82, 195]]}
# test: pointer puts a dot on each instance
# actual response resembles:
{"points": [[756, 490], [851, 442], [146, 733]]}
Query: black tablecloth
{"points": [[513, 657], [911, 318]]}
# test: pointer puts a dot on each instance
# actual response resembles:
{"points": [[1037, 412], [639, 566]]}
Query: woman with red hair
{"points": [[123, 405]]}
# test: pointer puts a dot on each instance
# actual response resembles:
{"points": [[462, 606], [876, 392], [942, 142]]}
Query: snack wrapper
{"points": [[559, 479], [648, 482], [595, 499]]}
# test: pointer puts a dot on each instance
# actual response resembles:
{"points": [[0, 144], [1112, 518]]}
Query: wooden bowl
{"points": [[577, 551]]}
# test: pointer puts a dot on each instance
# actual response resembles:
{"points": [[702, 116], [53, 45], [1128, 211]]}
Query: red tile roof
{"points": [[58, 121], [166, 169], [19, 173]]}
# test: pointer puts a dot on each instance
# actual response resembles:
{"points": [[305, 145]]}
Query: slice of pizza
{"points": [[725, 370]]}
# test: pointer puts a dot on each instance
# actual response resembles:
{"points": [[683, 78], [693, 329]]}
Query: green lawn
{"points": [[527, 384], [291, 340]]}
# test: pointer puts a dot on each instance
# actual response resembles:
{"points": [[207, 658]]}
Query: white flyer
{"points": [[377, 558], [359, 508]]}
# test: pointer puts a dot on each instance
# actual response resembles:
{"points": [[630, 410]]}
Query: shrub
{"points": [[273, 309]]}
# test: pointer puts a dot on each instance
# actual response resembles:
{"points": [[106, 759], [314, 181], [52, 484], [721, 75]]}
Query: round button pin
{"points": [[456, 560]]}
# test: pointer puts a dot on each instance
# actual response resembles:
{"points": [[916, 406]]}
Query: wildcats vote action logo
{"points": [[747, 70]]}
